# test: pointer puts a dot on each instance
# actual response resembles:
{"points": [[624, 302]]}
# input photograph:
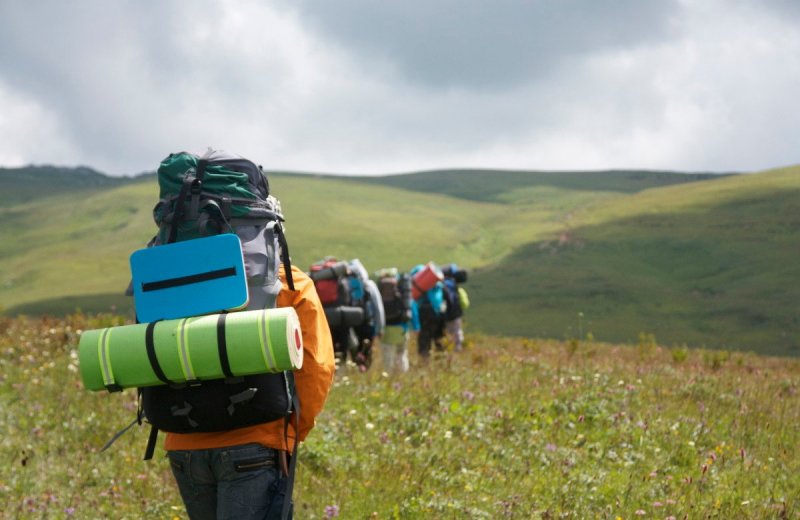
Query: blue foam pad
{"points": [[200, 276]]}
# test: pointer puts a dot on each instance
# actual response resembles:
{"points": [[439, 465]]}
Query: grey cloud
{"points": [[485, 44], [117, 77], [371, 87]]}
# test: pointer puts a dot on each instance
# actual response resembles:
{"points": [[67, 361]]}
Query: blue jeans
{"points": [[237, 482]]}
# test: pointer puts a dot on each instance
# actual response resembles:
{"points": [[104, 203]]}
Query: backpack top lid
{"points": [[223, 176], [387, 272], [225, 173], [358, 269]]}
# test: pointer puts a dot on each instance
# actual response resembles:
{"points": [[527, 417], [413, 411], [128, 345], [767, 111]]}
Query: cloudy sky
{"points": [[370, 86]]}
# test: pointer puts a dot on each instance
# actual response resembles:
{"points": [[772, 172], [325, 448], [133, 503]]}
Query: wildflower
{"points": [[466, 394], [69, 511], [658, 504], [331, 511], [742, 453], [370, 426], [550, 447], [448, 434], [640, 512], [383, 437]]}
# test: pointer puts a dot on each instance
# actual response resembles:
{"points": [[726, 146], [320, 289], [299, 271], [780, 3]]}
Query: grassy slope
{"points": [[86, 251], [711, 264], [22, 185], [511, 186], [69, 245]]}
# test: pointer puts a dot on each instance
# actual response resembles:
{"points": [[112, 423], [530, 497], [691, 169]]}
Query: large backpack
{"points": [[330, 280], [452, 300], [365, 293], [201, 196], [395, 292]]}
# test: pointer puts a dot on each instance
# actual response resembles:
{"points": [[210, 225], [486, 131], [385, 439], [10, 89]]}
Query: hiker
{"points": [[244, 472], [352, 307], [241, 473], [457, 302], [395, 289], [429, 308], [365, 294]]}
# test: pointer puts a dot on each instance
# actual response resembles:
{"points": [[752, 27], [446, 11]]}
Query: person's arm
{"points": [[313, 381]]}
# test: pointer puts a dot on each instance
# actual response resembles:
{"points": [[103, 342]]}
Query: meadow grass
{"points": [[508, 428]]}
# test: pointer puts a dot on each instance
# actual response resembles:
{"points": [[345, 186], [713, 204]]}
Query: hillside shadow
{"points": [[723, 277], [92, 303], [492, 185]]}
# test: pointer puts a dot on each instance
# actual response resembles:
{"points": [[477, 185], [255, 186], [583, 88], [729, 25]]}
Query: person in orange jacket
{"points": [[242, 473]]}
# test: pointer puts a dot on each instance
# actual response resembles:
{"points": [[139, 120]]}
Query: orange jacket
{"points": [[313, 380]]}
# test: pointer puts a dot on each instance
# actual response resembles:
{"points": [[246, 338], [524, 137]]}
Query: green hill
{"points": [[696, 259], [712, 265], [517, 187], [20, 185]]}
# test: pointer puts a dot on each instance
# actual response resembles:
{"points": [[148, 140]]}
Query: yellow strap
{"points": [[104, 355], [183, 350], [266, 344]]}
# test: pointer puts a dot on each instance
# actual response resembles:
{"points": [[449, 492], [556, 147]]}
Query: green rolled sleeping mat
{"points": [[199, 348]]}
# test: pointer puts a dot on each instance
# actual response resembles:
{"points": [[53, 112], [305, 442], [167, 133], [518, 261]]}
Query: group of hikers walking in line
{"points": [[235, 350], [390, 308]]}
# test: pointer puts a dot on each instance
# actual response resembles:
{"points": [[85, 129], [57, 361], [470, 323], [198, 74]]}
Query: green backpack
{"points": [[208, 195], [224, 193]]}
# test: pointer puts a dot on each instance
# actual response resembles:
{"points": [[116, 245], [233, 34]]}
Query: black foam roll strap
{"points": [[151, 353], [222, 346]]}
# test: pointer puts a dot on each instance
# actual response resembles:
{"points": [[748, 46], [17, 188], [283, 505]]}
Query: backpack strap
{"points": [[177, 213], [151, 353], [103, 352], [120, 433], [287, 262], [197, 185], [287, 500], [151, 443], [222, 346]]}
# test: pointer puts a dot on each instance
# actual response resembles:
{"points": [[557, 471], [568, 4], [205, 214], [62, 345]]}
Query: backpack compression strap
{"points": [[287, 262], [287, 498], [191, 184], [177, 214]]}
